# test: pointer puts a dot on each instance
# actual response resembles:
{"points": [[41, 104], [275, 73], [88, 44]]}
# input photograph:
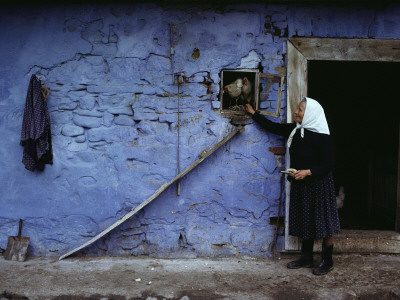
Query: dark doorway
{"points": [[361, 100]]}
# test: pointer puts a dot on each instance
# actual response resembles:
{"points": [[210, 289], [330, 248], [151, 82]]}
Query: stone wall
{"points": [[114, 112]]}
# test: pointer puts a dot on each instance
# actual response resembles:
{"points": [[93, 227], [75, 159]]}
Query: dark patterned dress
{"points": [[313, 211], [35, 131]]}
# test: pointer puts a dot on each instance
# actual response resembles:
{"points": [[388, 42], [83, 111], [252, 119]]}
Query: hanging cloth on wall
{"points": [[35, 132]]}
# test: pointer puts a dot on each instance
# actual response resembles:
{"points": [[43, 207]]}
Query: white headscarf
{"points": [[313, 120]]}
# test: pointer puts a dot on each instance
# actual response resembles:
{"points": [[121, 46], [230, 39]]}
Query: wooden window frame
{"points": [[258, 75]]}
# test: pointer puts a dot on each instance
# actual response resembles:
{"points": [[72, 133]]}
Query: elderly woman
{"points": [[312, 212]]}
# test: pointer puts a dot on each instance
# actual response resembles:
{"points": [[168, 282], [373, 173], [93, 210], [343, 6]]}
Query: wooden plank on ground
{"points": [[366, 241], [203, 155]]}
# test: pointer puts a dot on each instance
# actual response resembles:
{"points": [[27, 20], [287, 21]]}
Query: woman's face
{"points": [[299, 113]]}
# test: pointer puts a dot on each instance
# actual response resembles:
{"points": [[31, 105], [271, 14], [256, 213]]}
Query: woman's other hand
{"points": [[249, 109], [301, 174]]}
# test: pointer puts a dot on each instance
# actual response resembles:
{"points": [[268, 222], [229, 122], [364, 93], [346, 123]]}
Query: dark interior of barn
{"points": [[360, 100]]}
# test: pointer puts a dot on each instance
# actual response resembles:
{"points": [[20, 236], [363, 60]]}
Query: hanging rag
{"points": [[35, 132]]}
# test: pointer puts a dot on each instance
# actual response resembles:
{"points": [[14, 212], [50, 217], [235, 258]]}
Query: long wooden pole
{"points": [[158, 192]]}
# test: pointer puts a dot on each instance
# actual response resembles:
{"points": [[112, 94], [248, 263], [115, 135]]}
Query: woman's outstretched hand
{"points": [[301, 174], [249, 109]]}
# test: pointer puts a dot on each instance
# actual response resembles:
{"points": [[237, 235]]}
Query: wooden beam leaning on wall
{"points": [[203, 155]]}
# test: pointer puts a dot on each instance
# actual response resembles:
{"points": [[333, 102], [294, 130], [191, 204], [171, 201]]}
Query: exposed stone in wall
{"points": [[114, 111]]}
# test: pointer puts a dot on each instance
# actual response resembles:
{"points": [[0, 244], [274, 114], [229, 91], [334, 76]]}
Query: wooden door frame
{"points": [[299, 52], [398, 191]]}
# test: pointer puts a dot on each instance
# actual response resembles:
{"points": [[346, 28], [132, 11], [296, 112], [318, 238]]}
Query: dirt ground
{"points": [[355, 276]]}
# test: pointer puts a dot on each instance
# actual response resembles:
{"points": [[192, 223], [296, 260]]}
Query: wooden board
{"points": [[203, 155], [296, 78], [398, 188], [281, 80], [366, 241], [296, 90], [348, 49]]}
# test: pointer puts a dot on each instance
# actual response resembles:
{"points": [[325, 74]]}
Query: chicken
{"points": [[234, 89], [246, 95], [340, 197]]}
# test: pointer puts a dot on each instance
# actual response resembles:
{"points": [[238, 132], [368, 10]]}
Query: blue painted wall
{"points": [[113, 108]]}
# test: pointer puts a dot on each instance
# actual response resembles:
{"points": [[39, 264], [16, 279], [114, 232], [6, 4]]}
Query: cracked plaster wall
{"points": [[113, 108]]}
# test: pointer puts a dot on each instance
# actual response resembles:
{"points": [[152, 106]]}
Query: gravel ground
{"points": [[355, 276]]}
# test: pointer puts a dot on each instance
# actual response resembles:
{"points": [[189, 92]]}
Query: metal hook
{"points": [[45, 91]]}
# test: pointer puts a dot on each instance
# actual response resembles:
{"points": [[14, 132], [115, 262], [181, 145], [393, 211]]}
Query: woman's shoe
{"points": [[302, 262], [306, 259], [326, 264]]}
